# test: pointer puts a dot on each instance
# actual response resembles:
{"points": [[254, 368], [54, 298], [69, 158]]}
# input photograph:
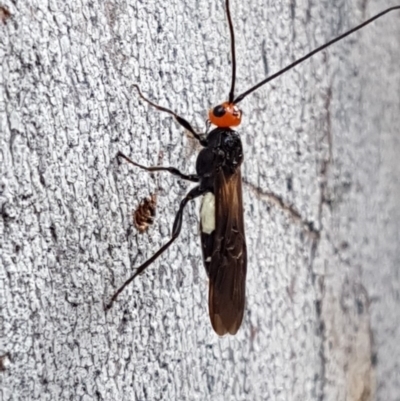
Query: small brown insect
{"points": [[143, 216], [4, 14]]}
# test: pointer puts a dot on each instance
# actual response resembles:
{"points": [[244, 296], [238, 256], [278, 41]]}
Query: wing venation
{"points": [[225, 255]]}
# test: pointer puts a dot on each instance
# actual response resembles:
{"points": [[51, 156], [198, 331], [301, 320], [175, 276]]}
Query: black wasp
{"points": [[219, 182]]}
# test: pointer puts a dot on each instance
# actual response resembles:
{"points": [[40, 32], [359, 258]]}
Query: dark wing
{"points": [[227, 247]]}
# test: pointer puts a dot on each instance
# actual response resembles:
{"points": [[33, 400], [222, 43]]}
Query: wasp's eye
{"points": [[219, 111]]}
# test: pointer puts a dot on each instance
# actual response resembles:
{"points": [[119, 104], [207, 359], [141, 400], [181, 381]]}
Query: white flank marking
{"points": [[207, 213]]}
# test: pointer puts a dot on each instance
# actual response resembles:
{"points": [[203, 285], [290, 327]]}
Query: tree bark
{"points": [[321, 194]]}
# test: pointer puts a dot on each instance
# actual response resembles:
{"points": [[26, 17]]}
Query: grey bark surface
{"points": [[322, 320]]}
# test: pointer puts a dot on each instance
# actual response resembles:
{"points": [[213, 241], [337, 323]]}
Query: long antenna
{"points": [[300, 60], [232, 91]]}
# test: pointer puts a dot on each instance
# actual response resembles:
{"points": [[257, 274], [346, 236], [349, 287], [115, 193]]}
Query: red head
{"points": [[225, 115]]}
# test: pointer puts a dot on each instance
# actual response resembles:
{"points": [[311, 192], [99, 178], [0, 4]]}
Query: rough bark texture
{"points": [[323, 308]]}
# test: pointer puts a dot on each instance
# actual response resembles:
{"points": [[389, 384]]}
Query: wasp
{"points": [[219, 183]]}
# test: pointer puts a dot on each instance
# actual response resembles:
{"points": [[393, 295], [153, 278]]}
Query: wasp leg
{"points": [[184, 123], [172, 170], [176, 229]]}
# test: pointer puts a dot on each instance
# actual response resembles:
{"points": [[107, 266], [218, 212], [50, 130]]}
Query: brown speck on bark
{"points": [[143, 216], [4, 14]]}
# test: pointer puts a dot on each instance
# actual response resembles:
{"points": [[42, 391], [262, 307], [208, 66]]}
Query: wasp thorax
{"points": [[225, 115]]}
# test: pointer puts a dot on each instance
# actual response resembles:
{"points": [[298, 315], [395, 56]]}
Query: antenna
{"points": [[232, 91], [317, 50]]}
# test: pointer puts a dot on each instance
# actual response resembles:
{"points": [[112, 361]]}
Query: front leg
{"points": [[181, 121]]}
